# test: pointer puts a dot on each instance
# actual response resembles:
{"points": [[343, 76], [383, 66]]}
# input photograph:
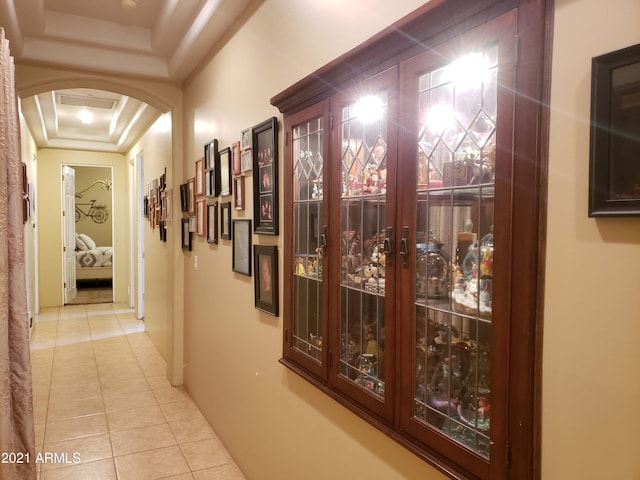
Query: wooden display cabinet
{"points": [[412, 186]]}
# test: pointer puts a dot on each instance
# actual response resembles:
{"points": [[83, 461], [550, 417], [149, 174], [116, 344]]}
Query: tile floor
{"points": [[101, 398]]}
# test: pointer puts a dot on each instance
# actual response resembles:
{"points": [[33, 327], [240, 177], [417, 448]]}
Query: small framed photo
{"points": [[245, 139], [186, 235], [199, 178], [191, 196], [241, 262], [201, 217], [236, 166], [210, 151], [184, 198], [265, 161], [246, 160], [238, 192], [225, 172], [163, 231], [265, 258], [193, 224], [212, 223], [225, 221]]}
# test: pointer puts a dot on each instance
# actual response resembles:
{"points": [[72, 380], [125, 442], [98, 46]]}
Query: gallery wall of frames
{"points": [[209, 198]]}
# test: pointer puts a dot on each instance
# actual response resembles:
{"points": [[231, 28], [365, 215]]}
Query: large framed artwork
{"points": [[614, 175], [265, 177]]}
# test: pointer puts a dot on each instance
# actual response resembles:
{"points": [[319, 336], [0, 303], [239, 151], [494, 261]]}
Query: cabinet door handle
{"points": [[386, 244], [323, 241], [404, 246]]}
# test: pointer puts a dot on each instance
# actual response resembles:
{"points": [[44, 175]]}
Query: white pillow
{"points": [[80, 245], [86, 240]]}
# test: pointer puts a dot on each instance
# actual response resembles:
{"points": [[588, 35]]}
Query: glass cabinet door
{"points": [[365, 214], [305, 294], [452, 244]]}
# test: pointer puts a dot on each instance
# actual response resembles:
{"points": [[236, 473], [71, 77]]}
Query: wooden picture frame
{"points": [[186, 235], [238, 192], [241, 256], [225, 171], [212, 222], [201, 217], [265, 258], [265, 157], [199, 178], [236, 164], [225, 221], [614, 176], [191, 196]]}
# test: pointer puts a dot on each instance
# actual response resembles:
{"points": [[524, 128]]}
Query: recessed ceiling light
{"points": [[85, 116], [130, 4]]}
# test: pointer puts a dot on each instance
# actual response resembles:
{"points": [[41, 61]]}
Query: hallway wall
{"points": [[279, 426], [275, 424], [50, 215], [155, 145]]}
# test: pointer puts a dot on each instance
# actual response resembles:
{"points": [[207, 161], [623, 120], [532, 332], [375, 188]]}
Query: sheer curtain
{"points": [[17, 437]]}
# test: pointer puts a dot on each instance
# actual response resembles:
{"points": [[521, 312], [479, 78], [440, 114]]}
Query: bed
{"points": [[92, 262]]}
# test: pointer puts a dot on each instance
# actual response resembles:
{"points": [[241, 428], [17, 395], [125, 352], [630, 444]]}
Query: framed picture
{"points": [[201, 217], [193, 224], [163, 231], [241, 261], [186, 235], [236, 167], [265, 258], [225, 171], [184, 198], [614, 176], [212, 223], [245, 139], [265, 168], [191, 196], [225, 221], [199, 179], [210, 151], [246, 161], [238, 192]]}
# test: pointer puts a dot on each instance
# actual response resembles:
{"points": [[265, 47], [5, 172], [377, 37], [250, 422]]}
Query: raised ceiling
{"points": [[161, 40]]}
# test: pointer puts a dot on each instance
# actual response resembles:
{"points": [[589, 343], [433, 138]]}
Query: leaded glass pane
{"points": [[454, 249]]}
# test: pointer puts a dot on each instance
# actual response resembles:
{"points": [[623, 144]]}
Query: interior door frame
{"points": [[111, 219]]}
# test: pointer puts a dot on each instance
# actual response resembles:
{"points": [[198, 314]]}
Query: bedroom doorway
{"points": [[94, 234]]}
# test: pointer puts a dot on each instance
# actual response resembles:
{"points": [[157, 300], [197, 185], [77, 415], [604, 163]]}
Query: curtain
{"points": [[17, 437]]}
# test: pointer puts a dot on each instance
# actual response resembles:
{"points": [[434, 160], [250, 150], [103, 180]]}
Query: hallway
{"points": [[101, 397]]}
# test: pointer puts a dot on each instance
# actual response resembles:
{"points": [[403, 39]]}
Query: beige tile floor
{"points": [[101, 398]]}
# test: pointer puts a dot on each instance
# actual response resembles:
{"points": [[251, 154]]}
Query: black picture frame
{"points": [[225, 221], [184, 198], [265, 158], [210, 148], [225, 171], [212, 169], [212, 222], [265, 259], [614, 177], [241, 255], [186, 234]]}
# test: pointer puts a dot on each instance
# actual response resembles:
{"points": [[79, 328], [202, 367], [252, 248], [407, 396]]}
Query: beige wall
{"points": [[155, 150], [591, 379], [86, 176], [50, 218], [274, 423]]}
